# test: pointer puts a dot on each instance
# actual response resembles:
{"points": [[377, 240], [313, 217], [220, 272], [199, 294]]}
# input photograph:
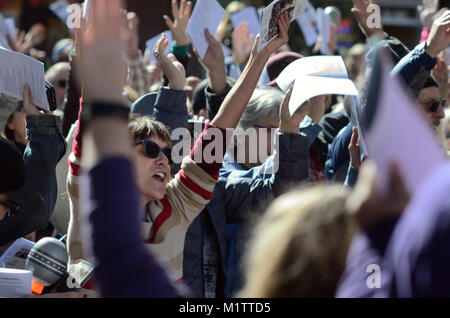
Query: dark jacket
{"points": [[46, 147]]}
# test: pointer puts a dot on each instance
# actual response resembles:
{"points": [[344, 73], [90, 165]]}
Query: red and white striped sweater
{"points": [[167, 220]]}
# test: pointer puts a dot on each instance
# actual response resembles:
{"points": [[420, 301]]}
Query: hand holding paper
{"points": [[207, 14], [270, 15]]}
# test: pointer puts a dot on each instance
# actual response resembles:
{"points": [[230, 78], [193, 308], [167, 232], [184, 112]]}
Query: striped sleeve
{"points": [[192, 188]]}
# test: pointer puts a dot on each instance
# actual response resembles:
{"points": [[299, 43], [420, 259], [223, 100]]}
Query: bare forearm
{"points": [[218, 79], [237, 99]]}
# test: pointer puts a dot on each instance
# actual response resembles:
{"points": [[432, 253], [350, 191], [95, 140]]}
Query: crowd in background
{"points": [[102, 168]]}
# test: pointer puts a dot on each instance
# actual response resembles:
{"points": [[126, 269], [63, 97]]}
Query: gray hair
{"points": [[264, 102]]}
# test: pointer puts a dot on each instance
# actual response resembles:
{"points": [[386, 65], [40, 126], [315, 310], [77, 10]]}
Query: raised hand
{"points": [[427, 10], [354, 150], [281, 39], [102, 68], [130, 22], [317, 108], [439, 37], [290, 124], [242, 43], [214, 61], [179, 25], [28, 107], [362, 13], [171, 67]]}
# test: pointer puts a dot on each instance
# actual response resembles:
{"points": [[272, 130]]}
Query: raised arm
{"points": [[116, 239], [416, 67], [237, 99], [45, 148]]}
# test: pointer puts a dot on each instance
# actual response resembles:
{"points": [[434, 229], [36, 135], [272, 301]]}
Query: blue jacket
{"points": [[237, 195], [415, 68], [46, 147]]}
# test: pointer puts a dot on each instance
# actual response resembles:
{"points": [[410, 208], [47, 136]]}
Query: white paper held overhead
{"points": [[315, 76], [271, 14], [16, 70], [249, 15], [59, 8], [207, 14]]}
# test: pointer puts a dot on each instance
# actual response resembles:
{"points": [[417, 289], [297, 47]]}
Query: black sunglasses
{"points": [[152, 150], [13, 207], [433, 106]]}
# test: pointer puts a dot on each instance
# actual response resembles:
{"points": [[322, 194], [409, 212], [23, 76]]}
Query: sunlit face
{"points": [[152, 174], [426, 97]]}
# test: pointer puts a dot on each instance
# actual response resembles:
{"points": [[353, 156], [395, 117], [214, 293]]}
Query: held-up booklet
{"points": [[16, 70], [314, 76], [271, 14]]}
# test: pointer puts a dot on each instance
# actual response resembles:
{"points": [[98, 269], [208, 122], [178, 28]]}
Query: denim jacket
{"points": [[214, 241], [46, 147]]}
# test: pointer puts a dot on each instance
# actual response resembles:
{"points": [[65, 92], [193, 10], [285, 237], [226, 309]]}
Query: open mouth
{"points": [[160, 176]]}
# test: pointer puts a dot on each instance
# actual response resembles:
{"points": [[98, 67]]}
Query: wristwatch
{"points": [[98, 109]]}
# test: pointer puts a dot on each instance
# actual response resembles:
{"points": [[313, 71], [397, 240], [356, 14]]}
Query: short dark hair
{"points": [[143, 127]]}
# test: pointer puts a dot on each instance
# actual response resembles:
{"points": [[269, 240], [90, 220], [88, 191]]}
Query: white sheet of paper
{"points": [[11, 25], [400, 133], [16, 254], [207, 14], [311, 12], [324, 25], [312, 65], [310, 86], [15, 283], [59, 8], [315, 76], [150, 44], [16, 70], [308, 30], [249, 15], [3, 32], [271, 14]]}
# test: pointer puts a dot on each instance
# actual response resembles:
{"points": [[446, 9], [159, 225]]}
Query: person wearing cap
{"points": [[31, 200], [415, 69]]}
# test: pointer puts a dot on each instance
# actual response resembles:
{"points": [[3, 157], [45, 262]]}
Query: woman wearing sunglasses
{"points": [[170, 206]]}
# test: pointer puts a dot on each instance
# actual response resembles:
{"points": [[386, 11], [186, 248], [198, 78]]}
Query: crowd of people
{"points": [[179, 185]]}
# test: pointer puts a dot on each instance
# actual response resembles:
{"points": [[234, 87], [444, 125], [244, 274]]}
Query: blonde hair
{"points": [[300, 246]]}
